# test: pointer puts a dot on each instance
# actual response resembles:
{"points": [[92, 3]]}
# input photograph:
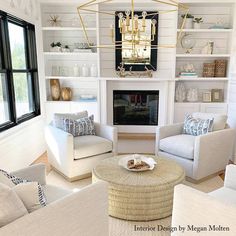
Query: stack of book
{"points": [[188, 75]]}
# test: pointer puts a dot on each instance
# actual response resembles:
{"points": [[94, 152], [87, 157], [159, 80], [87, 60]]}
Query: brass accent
{"points": [[118, 45]]}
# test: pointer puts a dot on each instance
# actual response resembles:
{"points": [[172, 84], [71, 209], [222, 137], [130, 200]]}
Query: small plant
{"points": [[188, 16], [198, 20], [58, 44], [67, 47]]}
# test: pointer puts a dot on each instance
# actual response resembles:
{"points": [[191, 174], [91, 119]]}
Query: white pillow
{"points": [[30, 194], [33, 197], [219, 122], [59, 117], [11, 206]]}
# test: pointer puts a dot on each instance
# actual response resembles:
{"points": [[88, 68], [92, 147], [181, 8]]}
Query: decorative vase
{"points": [[55, 89], [66, 94], [192, 95], [180, 93], [93, 71], [188, 23], [196, 25]]}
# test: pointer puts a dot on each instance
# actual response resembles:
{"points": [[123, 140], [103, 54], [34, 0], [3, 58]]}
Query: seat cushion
{"points": [[219, 122], [90, 145], [225, 194], [54, 193], [179, 145]]}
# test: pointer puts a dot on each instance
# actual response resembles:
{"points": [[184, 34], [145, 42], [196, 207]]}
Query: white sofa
{"points": [[75, 157], [194, 208], [82, 213], [201, 156]]}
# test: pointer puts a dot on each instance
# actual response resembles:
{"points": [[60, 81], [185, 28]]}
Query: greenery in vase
{"points": [[58, 44], [198, 20], [190, 16]]}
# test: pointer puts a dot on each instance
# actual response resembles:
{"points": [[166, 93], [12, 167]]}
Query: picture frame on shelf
{"points": [[217, 95], [206, 96]]}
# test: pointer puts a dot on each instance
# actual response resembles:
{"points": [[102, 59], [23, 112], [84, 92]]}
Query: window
{"points": [[19, 89]]}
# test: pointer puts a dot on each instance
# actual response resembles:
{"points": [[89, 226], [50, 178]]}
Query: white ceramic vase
{"points": [[188, 23], [180, 94], [196, 25]]}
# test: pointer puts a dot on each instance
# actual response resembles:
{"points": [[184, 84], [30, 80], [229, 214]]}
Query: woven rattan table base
{"points": [[140, 196]]}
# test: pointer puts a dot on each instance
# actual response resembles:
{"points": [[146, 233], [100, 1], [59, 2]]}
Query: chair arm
{"points": [[167, 131], [107, 132], [194, 208], [230, 177], [60, 148], [35, 172], [82, 213], [212, 152]]}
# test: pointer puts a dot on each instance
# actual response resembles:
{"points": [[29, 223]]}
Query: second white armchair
{"points": [[201, 155]]}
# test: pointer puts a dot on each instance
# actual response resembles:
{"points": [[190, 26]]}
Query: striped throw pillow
{"points": [[80, 127], [12, 181], [195, 127]]}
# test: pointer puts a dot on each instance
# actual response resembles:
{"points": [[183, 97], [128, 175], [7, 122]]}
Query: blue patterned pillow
{"points": [[198, 126], [80, 127]]}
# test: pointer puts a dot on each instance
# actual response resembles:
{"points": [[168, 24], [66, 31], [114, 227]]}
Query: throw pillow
{"points": [[31, 194], [12, 181], [11, 206], [197, 127], [80, 127], [220, 120], [59, 117]]}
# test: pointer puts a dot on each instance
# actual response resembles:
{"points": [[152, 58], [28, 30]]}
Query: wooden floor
{"points": [[44, 159]]}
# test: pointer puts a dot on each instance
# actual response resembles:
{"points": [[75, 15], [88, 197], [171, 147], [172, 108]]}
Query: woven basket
{"points": [[220, 68], [208, 69]]}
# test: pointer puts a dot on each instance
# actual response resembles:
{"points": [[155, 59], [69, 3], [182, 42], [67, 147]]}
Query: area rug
{"points": [[132, 228]]}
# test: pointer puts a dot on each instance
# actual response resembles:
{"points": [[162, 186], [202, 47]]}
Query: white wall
{"points": [[21, 145]]}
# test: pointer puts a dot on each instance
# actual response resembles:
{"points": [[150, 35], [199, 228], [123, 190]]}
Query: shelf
{"points": [[69, 53], [77, 101], [203, 79], [206, 30], [199, 103], [203, 55], [66, 28], [71, 78]]}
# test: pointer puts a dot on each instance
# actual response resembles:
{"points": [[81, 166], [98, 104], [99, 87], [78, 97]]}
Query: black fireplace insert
{"points": [[135, 107]]}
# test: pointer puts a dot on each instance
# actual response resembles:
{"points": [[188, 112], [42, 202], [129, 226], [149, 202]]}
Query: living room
{"points": [[117, 117]]}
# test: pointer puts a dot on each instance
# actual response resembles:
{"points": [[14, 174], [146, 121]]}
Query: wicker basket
{"points": [[208, 69], [220, 68]]}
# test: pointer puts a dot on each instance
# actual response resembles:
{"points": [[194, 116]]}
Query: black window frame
{"points": [[31, 69]]}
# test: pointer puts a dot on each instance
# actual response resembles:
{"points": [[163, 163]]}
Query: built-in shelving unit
{"points": [[58, 28]]}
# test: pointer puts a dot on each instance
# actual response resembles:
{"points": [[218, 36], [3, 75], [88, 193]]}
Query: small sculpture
{"points": [[208, 48], [55, 20]]}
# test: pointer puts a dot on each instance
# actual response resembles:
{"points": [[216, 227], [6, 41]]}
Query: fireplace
{"points": [[135, 107]]}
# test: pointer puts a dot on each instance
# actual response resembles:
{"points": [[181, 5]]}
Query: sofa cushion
{"points": [[90, 145], [179, 145], [54, 193], [197, 126], [225, 194], [219, 122], [11, 206], [58, 117], [80, 127]]}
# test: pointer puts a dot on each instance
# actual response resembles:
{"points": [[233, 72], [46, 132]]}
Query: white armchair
{"points": [[82, 213], [202, 155], [192, 207], [75, 157]]}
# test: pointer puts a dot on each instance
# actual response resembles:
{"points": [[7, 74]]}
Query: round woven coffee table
{"points": [[140, 196]]}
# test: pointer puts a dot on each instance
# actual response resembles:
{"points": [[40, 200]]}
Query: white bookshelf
{"points": [[70, 32], [203, 79], [205, 30], [204, 55]]}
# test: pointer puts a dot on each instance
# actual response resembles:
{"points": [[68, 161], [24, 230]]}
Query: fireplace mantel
{"points": [[128, 79]]}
